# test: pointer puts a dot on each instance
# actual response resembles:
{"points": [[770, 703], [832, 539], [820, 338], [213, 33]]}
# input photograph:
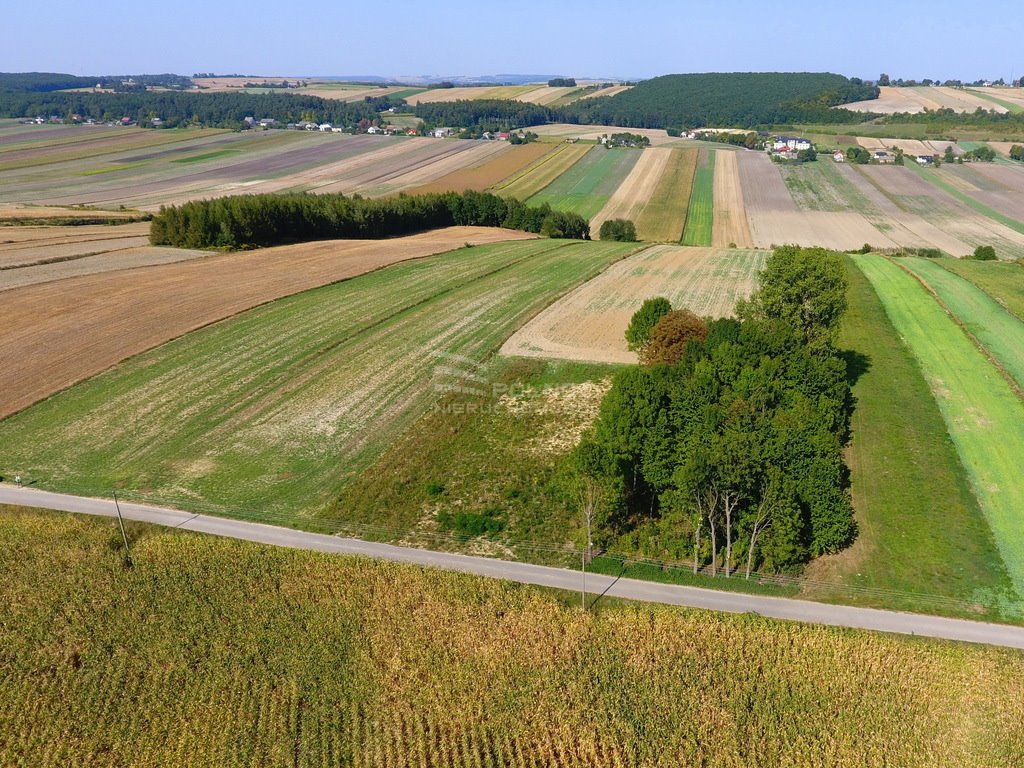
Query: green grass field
{"points": [[590, 182], [920, 530], [223, 653], [664, 217], [998, 331], [983, 415], [1002, 281], [268, 414], [1010, 106], [701, 214]]}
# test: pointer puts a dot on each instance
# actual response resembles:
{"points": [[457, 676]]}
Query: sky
{"points": [[938, 40]]}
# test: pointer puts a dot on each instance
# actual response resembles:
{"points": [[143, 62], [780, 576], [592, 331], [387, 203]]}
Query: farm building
{"points": [[838, 156], [926, 159], [883, 157]]}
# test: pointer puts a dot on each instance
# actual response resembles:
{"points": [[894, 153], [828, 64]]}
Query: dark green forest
{"points": [[249, 221], [484, 114], [741, 99], [176, 108], [43, 82], [732, 455]]}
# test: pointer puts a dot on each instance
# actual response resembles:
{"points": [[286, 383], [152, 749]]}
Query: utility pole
{"points": [[124, 536], [588, 514]]}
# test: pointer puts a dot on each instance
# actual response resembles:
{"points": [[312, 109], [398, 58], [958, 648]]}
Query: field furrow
{"points": [[983, 414]]}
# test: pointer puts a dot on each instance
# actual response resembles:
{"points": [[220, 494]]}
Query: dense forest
{"points": [[221, 110], [724, 99], [44, 82], [484, 114], [726, 447], [248, 221]]}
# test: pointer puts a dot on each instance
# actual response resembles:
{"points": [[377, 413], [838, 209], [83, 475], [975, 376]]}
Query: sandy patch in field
{"points": [[568, 411], [729, 225], [590, 322], [633, 194], [55, 334]]}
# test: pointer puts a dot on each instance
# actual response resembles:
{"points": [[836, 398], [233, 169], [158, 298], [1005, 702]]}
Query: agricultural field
{"points": [[1002, 281], [268, 414], [505, 165], [657, 136], [983, 414], [914, 100], [701, 214], [536, 93], [58, 333], [663, 218], [637, 190], [588, 184], [985, 192], [292, 657], [589, 323], [540, 174], [729, 224], [903, 468]]}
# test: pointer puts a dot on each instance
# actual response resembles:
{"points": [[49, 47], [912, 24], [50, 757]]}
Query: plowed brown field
{"points": [[55, 334]]}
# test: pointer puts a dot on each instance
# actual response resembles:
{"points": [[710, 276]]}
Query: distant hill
{"points": [[45, 82], [741, 99]]}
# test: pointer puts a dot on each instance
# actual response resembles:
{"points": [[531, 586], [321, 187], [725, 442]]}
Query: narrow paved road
{"points": [[670, 594]]}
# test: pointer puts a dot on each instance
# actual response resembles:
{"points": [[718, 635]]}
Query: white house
{"points": [[783, 143], [926, 159], [326, 127], [838, 156], [883, 157], [373, 129]]}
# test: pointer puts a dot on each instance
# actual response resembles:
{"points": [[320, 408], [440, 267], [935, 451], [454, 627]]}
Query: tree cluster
{"points": [[223, 110], [249, 221], [45, 82], [730, 453], [483, 114], [562, 82], [628, 140], [1017, 152], [984, 154], [621, 230]]}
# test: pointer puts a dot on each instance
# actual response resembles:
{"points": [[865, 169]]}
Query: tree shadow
{"points": [[857, 364]]}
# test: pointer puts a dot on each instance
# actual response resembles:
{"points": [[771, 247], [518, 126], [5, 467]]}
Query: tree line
{"points": [[725, 447], [484, 114], [44, 82], [249, 221], [177, 108]]}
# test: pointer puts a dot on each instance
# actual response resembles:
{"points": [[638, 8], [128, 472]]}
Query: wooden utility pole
{"points": [[124, 536]]}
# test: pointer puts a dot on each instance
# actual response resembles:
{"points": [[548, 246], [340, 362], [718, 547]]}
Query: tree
{"points": [[670, 335], [948, 155], [621, 230], [644, 319], [1017, 152], [807, 155], [984, 253], [883, 79]]}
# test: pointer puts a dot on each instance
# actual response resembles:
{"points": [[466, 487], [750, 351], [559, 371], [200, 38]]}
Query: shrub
{"points": [[984, 253], [488, 522], [644, 319], [435, 489]]}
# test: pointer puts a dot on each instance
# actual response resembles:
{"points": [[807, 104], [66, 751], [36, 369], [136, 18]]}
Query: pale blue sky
{"points": [[939, 40]]}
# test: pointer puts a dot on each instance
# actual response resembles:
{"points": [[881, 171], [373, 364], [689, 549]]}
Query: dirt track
{"points": [[58, 333]]}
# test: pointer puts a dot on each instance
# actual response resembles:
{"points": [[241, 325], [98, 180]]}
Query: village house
{"points": [[325, 127], [883, 157], [838, 156], [789, 143], [373, 129], [926, 159]]}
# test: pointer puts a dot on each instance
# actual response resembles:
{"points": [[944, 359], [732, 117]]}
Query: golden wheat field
{"points": [[222, 653]]}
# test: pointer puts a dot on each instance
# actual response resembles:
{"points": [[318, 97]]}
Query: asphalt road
{"points": [[525, 573]]}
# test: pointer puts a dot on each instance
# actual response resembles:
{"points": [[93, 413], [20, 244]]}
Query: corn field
{"points": [[209, 652]]}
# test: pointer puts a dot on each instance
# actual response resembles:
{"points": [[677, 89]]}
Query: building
{"points": [[838, 156], [790, 143], [883, 157], [926, 159], [325, 127], [373, 129]]}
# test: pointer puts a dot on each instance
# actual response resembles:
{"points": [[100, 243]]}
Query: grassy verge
{"points": [[223, 653], [920, 530], [701, 214], [267, 414], [983, 415], [664, 217]]}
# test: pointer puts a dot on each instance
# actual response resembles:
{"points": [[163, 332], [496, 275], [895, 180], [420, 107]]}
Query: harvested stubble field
{"points": [[983, 414], [463, 93], [636, 191], [503, 165], [913, 192], [590, 323], [658, 137], [664, 217], [903, 468], [540, 174], [268, 414], [25, 246], [586, 187], [729, 226], [223, 653], [915, 100], [1003, 202], [58, 333]]}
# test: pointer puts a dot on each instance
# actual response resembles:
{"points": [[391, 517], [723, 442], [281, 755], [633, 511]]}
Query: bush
{"points": [[488, 522], [644, 319], [1017, 152], [620, 230], [984, 253], [435, 489]]}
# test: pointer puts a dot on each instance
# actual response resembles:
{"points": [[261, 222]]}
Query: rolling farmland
{"points": [[915, 100], [589, 323], [984, 416], [589, 183], [664, 216], [225, 653], [537, 176], [270, 412], [701, 214], [636, 191], [56, 334], [491, 171]]}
